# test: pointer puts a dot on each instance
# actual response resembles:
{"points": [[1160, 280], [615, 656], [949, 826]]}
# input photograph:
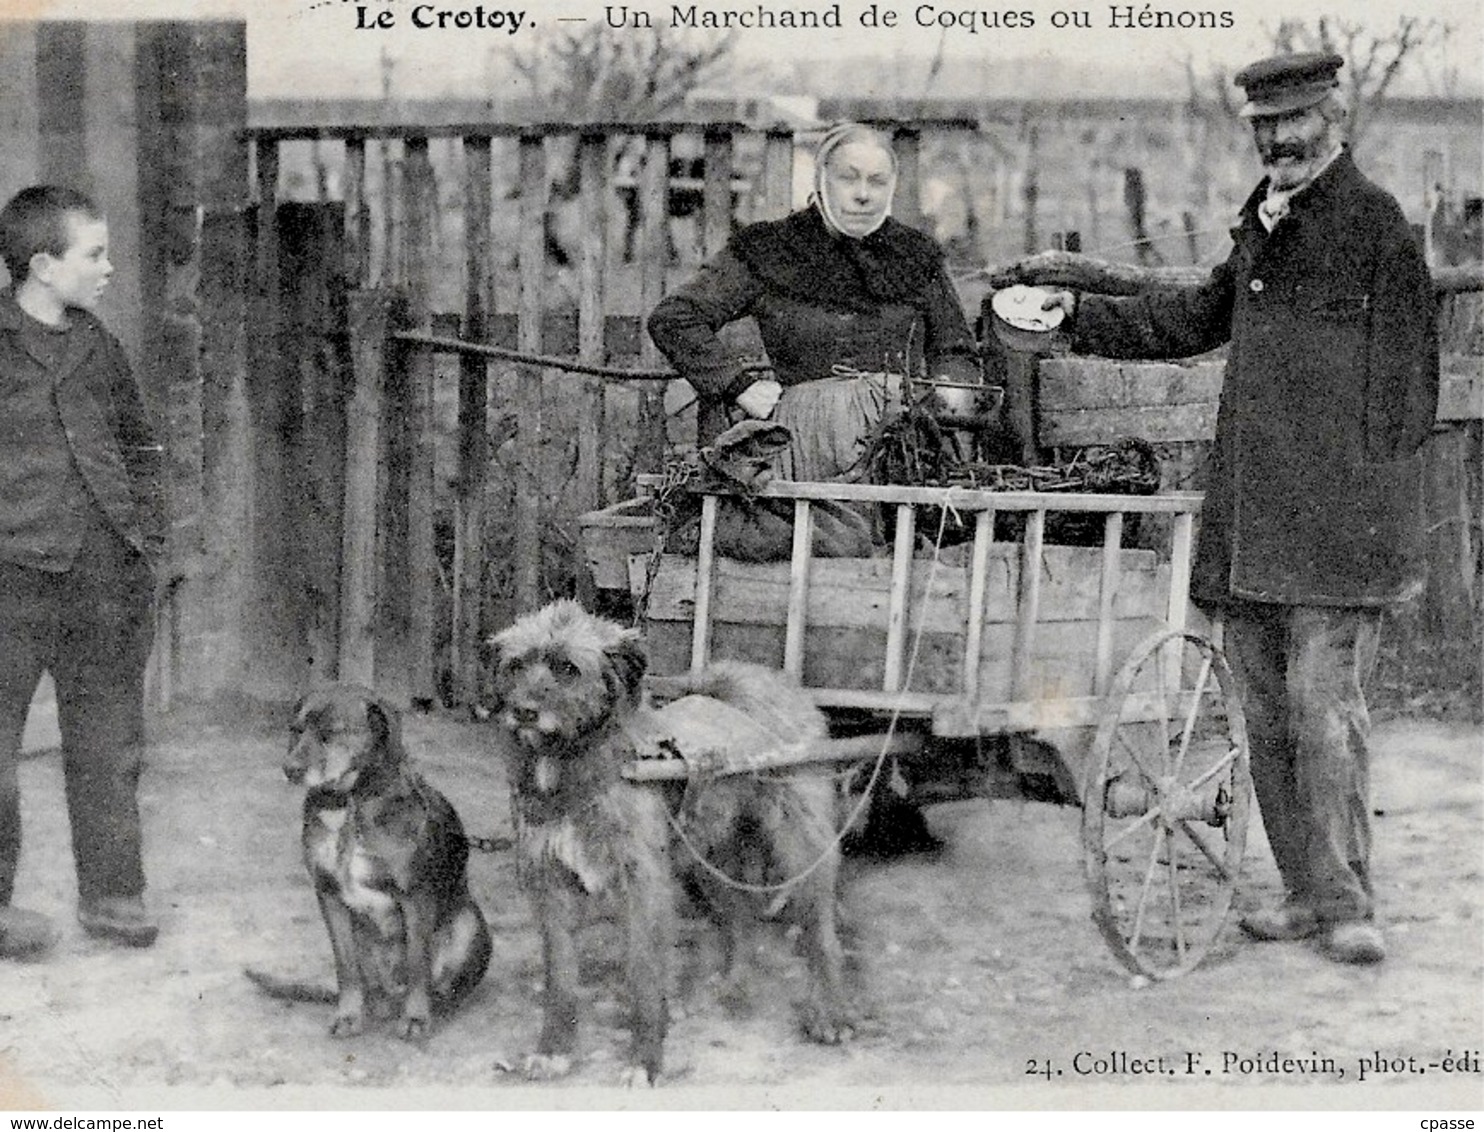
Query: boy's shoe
{"points": [[1355, 941], [25, 935], [118, 919], [1283, 922]]}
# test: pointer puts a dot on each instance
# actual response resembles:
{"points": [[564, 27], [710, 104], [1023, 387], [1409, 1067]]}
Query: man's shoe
{"points": [[1355, 941], [25, 935], [118, 919], [1285, 922]]}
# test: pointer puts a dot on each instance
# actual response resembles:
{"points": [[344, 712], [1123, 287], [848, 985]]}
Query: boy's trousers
{"points": [[91, 627]]}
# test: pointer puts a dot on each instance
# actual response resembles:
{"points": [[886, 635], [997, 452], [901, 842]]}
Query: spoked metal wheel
{"points": [[1165, 804]]}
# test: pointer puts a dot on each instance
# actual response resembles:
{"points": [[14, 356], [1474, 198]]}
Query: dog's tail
{"points": [[289, 990]]}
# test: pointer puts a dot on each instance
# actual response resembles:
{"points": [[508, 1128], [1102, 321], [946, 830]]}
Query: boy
{"points": [[79, 523]]}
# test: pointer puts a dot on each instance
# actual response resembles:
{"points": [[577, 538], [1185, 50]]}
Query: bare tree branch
{"points": [[1373, 60]]}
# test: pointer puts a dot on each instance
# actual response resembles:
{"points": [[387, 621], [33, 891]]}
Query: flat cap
{"points": [[1285, 83]]}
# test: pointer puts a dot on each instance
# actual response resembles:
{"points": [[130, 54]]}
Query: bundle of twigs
{"points": [[911, 447]]}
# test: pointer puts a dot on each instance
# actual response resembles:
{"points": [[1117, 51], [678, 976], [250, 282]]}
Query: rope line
{"points": [[782, 888]]}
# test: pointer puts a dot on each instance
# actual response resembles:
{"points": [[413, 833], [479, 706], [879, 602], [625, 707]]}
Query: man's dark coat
{"points": [[1314, 488]]}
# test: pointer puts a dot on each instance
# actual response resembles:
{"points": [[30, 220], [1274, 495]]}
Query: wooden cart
{"points": [[995, 667]]}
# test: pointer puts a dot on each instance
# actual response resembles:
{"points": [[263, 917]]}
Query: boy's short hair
{"points": [[35, 221]]}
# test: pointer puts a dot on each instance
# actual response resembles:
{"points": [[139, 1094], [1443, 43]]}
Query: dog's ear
{"points": [[385, 722], [625, 663]]}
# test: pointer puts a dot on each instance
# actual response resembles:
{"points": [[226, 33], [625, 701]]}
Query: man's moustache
{"points": [[1294, 150]]}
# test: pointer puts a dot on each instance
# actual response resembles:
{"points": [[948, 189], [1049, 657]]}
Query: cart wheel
{"points": [[1165, 804]]}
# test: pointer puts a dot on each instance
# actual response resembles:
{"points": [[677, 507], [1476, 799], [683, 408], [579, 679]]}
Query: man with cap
{"points": [[1311, 525]]}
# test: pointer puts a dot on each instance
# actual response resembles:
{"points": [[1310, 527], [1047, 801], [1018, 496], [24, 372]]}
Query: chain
{"points": [[678, 474], [489, 844]]}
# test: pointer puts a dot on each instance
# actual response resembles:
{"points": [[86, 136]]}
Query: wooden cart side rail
{"points": [[962, 713], [1005, 718], [975, 499]]}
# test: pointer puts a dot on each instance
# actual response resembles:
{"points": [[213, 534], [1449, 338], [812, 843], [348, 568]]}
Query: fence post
{"points": [[592, 164], [654, 242], [528, 486], [369, 318], [907, 142], [778, 174], [468, 550], [419, 191]]}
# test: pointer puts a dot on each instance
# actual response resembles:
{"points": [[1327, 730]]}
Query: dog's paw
{"points": [[545, 1066], [411, 1028], [636, 1077], [826, 1027], [736, 997], [347, 1025]]}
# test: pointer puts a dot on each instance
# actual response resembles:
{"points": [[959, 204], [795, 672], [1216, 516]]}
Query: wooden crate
{"points": [[614, 534], [848, 606]]}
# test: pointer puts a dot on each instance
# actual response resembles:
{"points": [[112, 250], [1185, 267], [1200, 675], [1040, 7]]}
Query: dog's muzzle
{"points": [[531, 725]]}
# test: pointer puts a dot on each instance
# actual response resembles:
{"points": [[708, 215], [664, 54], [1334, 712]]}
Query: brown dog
{"points": [[567, 695], [387, 854]]}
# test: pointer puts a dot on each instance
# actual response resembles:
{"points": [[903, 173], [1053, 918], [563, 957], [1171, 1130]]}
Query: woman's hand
{"points": [[1065, 301], [759, 399]]}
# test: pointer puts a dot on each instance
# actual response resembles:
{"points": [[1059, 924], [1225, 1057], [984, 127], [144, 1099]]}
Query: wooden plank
{"points": [[1158, 424], [152, 198], [963, 720], [797, 617], [419, 192], [1093, 400], [654, 250], [469, 495], [310, 251], [856, 592], [357, 216], [968, 499], [1107, 590], [528, 486], [978, 588], [851, 661], [591, 438], [1097, 383], [1461, 391], [704, 586], [278, 584], [716, 192], [907, 206], [211, 603], [896, 612], [369, 315], [1028, 609], [901, 744], [61, 81], [484, 129], [778, 175]]}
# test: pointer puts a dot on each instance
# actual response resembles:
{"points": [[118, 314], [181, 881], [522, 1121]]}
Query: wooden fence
{"points": [[380, 569]]}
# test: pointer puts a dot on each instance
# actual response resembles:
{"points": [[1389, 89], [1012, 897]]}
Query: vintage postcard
{"points": [[809, 554]]}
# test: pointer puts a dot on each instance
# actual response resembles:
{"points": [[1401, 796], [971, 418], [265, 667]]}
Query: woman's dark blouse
{"points": [[819, 302]]}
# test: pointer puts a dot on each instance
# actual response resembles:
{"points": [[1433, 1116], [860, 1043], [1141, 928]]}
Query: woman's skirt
{"points": [[831, 420]]}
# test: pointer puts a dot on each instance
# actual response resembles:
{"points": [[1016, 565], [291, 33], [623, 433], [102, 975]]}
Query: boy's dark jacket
{"points": [[107, 429], [1313, 493]]}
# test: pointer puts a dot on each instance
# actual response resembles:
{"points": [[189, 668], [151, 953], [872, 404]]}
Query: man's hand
{"points": [[759, 398]]}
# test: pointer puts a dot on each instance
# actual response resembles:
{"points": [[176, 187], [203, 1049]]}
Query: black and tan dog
{"points": [[566, 691], [387, 854]]}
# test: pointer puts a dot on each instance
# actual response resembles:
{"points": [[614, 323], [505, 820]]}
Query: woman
{"points": [[849, 302]]}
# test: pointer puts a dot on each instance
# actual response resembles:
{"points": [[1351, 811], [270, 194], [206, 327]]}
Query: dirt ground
{"points": [[983, 979]]}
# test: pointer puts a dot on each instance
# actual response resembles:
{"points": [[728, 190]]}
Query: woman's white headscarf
{"points": [[833, 139]]}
